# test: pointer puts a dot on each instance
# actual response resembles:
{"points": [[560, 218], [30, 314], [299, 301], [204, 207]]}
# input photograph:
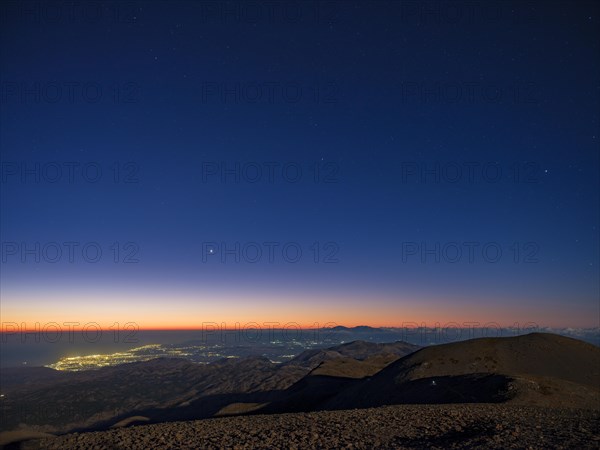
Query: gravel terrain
{"points": [[402, 426]]}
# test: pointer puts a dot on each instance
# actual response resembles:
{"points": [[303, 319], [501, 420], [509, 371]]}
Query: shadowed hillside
{"points": [[47, 400], [537, 368]]}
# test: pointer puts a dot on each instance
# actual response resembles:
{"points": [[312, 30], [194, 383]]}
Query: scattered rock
{"points": [[454, 426]]}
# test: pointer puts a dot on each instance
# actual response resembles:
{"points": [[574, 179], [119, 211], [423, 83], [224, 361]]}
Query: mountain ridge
{"points": [[535, 369]]}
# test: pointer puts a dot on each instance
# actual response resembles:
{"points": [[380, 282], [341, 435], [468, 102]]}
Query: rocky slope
{"points": [[405, 426]]}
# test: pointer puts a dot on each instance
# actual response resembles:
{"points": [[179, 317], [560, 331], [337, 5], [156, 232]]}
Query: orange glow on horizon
{"points": [[180, 312]]}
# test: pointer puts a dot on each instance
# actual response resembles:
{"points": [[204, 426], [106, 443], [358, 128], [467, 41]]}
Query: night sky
{"points": [[432, 162]]}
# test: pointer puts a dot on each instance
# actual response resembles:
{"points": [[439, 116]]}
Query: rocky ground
{"points": [[402, 426]]}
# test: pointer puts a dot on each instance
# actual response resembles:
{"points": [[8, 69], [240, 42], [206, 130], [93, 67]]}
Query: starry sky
{"points": [[174, 163]]}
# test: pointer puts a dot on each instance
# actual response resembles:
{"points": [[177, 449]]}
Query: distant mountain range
{"points": [[357, 329], [535, 369]]}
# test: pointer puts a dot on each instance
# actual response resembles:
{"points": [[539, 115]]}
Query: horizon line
{"points": [[208, 330]]}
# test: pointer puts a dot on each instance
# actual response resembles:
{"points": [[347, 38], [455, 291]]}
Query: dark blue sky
{"points": [[386, 99]]}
